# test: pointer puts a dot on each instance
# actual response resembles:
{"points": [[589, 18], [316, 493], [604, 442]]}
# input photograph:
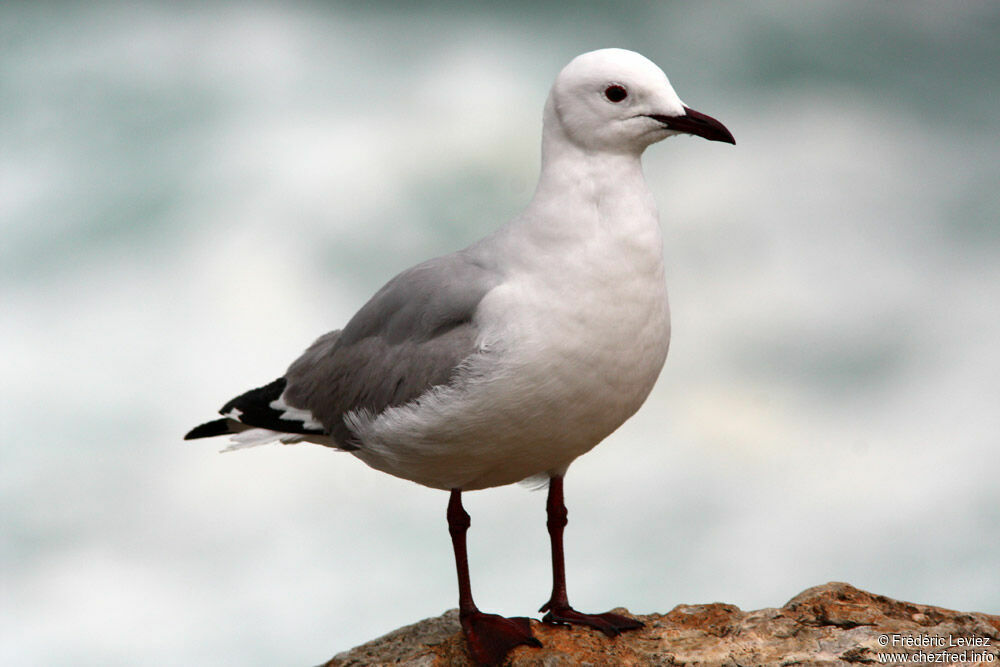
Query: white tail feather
{"points": [[259, 436]]}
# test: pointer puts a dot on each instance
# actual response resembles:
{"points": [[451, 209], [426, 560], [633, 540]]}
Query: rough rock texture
{"points": [[831, 624]]}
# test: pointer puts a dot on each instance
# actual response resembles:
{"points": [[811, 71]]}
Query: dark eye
{"points": [[615, 93]]}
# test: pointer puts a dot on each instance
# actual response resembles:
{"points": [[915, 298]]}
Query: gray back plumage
{"points": [[409, 337]]}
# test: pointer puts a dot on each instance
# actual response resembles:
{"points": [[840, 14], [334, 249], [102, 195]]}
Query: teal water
{"points": [[190, 193]]}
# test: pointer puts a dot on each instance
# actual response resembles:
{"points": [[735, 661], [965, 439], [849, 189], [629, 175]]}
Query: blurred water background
{"points": [[190, 192]]}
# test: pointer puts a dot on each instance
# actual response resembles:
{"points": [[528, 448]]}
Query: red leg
{"points": [[558, 607], [490, 636]]}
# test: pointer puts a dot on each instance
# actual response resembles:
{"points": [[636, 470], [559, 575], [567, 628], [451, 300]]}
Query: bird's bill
{"points": [[697, 123]]}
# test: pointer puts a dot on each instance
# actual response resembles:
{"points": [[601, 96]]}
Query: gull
{"points": [[506, 360]]}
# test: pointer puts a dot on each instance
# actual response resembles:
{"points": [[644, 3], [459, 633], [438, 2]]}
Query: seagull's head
{"points": [[614, 100]]}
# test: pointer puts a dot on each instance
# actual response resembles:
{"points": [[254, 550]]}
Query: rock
{"points": [[831, 624]]}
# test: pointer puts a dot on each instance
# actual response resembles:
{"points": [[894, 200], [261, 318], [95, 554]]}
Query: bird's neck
{"points": [[567, 167], [581, 191]]}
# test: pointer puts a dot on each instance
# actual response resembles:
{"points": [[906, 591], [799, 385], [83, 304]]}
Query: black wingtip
{"points": [[209, 429], [253, 409]]}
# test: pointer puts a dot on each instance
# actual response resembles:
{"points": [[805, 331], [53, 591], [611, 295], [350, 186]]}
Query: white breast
{"points": [[591, 330]]}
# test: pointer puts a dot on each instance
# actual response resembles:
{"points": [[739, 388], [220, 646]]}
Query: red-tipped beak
{"points": [[695, 122]]}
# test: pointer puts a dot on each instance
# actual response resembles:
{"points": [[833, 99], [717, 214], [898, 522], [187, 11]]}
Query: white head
{"points": [[617, 101]]}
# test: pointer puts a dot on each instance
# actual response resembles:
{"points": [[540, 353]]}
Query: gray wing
{"points": [[408, 338]]}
